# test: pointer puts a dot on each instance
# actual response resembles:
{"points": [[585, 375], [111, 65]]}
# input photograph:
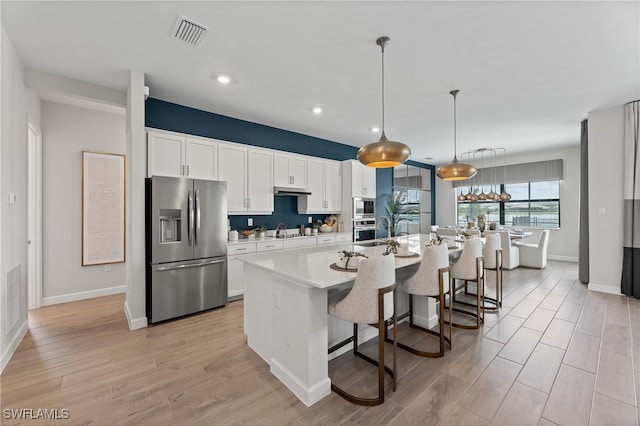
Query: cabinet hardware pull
{"points": [[187, 170]]}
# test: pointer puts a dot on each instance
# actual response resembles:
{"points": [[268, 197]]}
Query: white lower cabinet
{"points": [[235, 268], [329, 239]]}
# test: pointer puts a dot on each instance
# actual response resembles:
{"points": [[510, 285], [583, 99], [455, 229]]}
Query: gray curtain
{"points": [[631, 190], [583, 247]]}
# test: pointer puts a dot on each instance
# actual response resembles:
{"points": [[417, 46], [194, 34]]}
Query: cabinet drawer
{"points": [[241, 249], [269, 246], [326, 240], [343, 238], [299, 242]]}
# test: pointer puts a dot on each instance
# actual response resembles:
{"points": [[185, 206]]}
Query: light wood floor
{"points": [[555, 353]]}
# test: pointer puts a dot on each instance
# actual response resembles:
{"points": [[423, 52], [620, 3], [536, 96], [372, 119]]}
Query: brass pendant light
{"points": [[384, 153], [455, 170]]}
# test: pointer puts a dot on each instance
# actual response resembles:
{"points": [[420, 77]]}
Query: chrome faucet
{"points": [[281, 233], [388, 225]]}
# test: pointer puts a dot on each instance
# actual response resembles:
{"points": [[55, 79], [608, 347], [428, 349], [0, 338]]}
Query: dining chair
{"points": [[432, 279], [510, 252], [535, 255], [447, 232], [469, 268], [492, 255], [371, 300]]}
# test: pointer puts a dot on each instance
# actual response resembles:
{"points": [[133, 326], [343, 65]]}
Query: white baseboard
{"points": [[81, 295], [134, 323], [11, 347], [309, 395], [562, 258], [603, 288]]}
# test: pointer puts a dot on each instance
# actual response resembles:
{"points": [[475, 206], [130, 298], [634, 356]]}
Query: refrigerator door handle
{"points": [[190, 213], [190, 265], [197, 209]]}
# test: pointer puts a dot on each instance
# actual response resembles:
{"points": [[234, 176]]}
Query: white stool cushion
{"points": [[426, 280], [492, 243], [360, 305], [466, 267]]}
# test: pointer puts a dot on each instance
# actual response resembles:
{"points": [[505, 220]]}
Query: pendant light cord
{"points": [[383, 88]]}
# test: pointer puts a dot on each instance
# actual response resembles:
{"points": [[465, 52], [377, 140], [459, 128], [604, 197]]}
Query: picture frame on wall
{"points": [[103, 208]]}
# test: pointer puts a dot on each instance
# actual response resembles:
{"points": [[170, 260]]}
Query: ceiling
{"points": [[528, 72]]}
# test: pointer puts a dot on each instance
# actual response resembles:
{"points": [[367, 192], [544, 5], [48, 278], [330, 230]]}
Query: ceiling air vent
{"points": [[189, 31]]}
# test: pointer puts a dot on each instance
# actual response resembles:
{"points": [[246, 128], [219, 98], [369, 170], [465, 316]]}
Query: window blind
{"points": [[537, 171]]}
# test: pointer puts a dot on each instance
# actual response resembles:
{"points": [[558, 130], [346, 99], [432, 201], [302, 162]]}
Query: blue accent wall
{"points": [[178, 118]]}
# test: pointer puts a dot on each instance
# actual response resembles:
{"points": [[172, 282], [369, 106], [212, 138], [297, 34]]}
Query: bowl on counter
{"points": [[326, 228], [248, 232]]}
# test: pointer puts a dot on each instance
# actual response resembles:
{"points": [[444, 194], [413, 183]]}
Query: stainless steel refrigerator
{"points": [[186, 246]]}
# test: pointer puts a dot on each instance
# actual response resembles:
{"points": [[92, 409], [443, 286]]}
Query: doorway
{"points": [[34, 215]]}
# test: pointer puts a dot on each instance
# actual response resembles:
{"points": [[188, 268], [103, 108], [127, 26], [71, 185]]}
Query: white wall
{"points": [[18, 103], [606, 204], [67, 131], [135, 303], [563, 242]]}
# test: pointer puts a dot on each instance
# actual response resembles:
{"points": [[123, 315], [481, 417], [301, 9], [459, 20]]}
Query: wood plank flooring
{"points": [[554, 354]]}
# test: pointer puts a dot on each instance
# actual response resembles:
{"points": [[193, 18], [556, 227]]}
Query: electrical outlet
{"points": [[250, 222], [310, 219], [276, 299], [107, 268]]}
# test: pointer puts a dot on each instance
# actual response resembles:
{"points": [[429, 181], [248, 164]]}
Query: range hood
{"points": [[283, 190]]}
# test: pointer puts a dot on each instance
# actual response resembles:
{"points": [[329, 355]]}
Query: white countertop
{"points": [[310, 266], [255, 239]]}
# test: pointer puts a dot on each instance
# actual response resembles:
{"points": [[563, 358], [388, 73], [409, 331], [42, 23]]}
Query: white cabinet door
{"points": [[315, 201], [357, 170], [368, 182], [201, 157], [333, 187], [260, 181], [281, 176], [289, 170], [298, 171], [235, 278], [166, 155], [232, 168]]}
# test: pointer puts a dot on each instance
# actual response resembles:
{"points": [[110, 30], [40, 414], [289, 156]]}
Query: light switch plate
{"points": [[310, 219], [250, 221]]}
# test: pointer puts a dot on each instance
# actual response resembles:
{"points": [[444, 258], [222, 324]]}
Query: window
{"points": [[534, 204]]}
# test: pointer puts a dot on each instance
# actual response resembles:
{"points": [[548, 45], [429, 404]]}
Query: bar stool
{"points": [[469, 268], [432, 279], [492, 255], [371, 300]]}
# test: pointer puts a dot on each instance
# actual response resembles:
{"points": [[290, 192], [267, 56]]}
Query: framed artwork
{"points": [[103, 208]]}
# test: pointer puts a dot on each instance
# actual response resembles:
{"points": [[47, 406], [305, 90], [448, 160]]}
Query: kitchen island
{"points": [[286, 320]]}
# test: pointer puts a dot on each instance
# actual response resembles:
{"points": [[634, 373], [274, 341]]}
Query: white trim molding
{"points": [[11, 347], [81, 295], [603, 288], [134, 323], [562, 258]]}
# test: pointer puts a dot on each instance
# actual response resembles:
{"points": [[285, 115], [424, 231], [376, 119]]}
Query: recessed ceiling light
{"points": [[375, 129], [317, 110], [224, 79]]}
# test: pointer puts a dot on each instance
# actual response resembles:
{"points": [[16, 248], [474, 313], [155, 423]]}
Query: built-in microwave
{"points": [[364, 230], [364, 208]]}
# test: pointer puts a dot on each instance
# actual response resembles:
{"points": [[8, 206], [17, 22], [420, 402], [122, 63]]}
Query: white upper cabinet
{"points": [[362, 179], [201, 159], [248, 173], [325, 184], [333, 188], [289, 170], [179, 156]]}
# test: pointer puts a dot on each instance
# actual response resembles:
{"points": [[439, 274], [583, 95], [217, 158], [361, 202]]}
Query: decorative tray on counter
{"points": [[335, 267], [410, 254]]}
